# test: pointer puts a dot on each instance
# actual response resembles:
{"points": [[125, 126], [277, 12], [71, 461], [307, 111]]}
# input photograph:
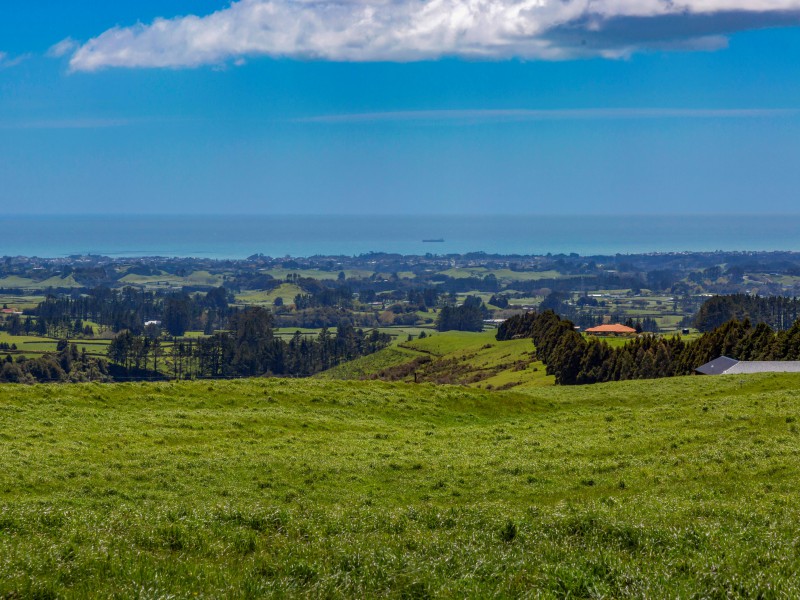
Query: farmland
{"points": [[474, 359], [675, 488], [377, 289]]}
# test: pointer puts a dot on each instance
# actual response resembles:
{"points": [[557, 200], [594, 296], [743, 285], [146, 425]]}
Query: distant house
{"points": [[616, 329], [156, 323], [730, 366]]}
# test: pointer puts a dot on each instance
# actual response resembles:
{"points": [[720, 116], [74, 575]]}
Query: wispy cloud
{"points": [[7, 61], [513, 115], [77, 123], [410, 30], [62, 48]]}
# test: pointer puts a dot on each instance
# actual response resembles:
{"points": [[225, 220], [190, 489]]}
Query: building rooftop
{"points": [[616, 328], [730, 366]]}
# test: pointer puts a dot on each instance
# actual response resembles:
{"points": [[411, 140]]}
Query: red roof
{"points": [[616, 328]]}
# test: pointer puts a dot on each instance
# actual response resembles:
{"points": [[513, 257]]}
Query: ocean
{"points": [[241, 236]]}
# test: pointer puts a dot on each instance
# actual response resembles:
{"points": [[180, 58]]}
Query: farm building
{"points": [[730, 366], [616, 329]]}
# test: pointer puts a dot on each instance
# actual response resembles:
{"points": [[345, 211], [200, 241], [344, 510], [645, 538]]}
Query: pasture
{"points": [[286, 291], [473, 359], [27, 284], [281, 273], [172, 281], [672, 488], [503, 275]]}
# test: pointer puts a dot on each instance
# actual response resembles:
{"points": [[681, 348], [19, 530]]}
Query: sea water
{"points": [[234, 236]]}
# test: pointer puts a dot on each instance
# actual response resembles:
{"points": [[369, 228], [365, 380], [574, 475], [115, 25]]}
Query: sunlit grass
{"points": [[673, 488]]}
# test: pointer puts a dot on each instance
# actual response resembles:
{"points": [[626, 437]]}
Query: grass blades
{"points": [[682, 487]]}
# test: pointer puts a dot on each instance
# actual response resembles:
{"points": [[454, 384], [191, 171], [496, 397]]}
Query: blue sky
{"points": [[216, 108]]}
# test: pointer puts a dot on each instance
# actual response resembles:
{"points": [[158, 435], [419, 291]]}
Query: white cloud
{"points": [[62, 48], [409, 30], [72, 123], [581, 114], [6, 61]]}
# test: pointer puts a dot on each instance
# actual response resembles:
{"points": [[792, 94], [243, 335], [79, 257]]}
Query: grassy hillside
{"points": [[196, 278], [14, 281], [672, 488], [474, 359], [287, 291]]}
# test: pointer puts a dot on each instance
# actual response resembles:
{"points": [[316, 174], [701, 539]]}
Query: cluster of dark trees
{"points": [[127, 309], [66, 365], [61, 327], [499, 300], [588, 312], [135, 353], [423, 298], [573, 359], [328, 304], [248, 349], [325, 316], [467, 317], [341, 297], [779, 312]]}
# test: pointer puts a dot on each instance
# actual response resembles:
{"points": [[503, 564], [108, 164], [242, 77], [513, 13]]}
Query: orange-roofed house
{"points": [[615, 329]]}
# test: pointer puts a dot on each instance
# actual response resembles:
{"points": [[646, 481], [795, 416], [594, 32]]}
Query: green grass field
{"points": [[20, 302], [503, 275], [474, 359], [674, 488], [280, 273], [196, 278], [287, 291], [15, 282], [29, 343]]}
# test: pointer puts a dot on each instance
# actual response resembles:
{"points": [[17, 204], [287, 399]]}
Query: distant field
{"points": [[29, 344], [679, 488], [287, 291], [20, 302], [24, 283], [317, 273], [193, 334], [474, 359], [401, 332], [368, 366], [32, 346], [504, 275], [612, 341], [197, 278], [447, 342]]}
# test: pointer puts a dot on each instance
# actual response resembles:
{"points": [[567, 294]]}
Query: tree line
{"points": [[467, 317], [574, 359], [66, 365], [779, 312], [128, 309], [249, 348]]}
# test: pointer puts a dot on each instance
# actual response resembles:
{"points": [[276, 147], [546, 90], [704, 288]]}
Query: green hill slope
{"points": [[672, 488], [456, 357]]}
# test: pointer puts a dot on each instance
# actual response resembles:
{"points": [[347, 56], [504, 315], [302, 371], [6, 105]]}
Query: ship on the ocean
{"points": [[437, 240]]}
